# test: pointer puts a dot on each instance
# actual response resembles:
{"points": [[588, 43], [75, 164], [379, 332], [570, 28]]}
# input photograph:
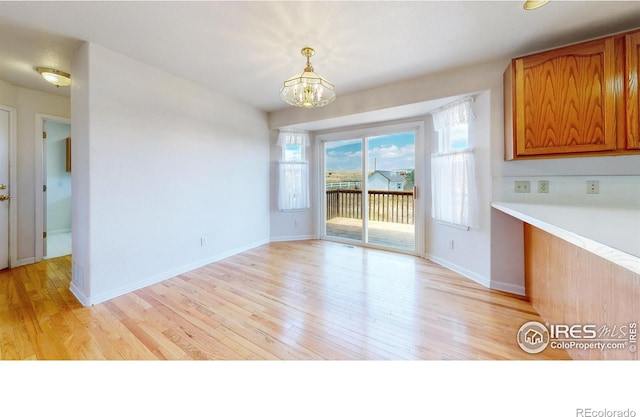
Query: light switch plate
{"points": [[543, 186]]}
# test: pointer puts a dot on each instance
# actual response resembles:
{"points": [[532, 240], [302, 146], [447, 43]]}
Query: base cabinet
{"points": [[569, 285]]}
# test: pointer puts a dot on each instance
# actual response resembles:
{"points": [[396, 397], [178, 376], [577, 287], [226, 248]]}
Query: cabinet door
{"points": [[633, 103], [565, 100]]}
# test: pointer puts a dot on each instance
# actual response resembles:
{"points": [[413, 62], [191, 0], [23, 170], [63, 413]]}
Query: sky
{"points": [[388, 152]]}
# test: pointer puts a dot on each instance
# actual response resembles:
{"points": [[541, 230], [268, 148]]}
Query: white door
{"points": [[4, 189], [44, 190]]}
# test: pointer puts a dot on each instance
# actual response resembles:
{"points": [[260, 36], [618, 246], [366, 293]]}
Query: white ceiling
{"points": [[246, 49]]}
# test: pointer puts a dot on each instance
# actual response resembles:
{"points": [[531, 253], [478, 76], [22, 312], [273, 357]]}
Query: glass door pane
{"points": [[343, 182], [390, 186]]}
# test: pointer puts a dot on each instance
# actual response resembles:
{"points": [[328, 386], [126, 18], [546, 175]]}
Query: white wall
{"points": [[614, 190], [8, 94], [58, 179], [80, 176], [618, 176], [165, 163], [27, 103]]}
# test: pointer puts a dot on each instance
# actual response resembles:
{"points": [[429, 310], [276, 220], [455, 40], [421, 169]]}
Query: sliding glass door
{"points": [[344, 185], [390, 190], [370, 186]]}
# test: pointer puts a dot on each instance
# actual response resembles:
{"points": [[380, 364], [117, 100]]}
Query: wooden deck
{"points": [[309, 300], [393, 235]]}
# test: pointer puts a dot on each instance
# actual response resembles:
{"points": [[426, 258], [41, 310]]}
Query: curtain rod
{"points": [[454, 103]]}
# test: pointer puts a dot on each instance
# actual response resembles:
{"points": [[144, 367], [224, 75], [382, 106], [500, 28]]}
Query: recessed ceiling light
{"points": [[55, 77], [534, 4]]}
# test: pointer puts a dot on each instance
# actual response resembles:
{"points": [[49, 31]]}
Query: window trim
{"points": [[303, 140]]}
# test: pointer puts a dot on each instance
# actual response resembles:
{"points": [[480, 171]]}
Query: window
{"points": [[293, 172], [452, 125], [456, 138], [293, 152], [452, 167]]}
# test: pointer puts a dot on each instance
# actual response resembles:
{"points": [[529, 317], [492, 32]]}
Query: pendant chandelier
{"points": [[308, 89]]}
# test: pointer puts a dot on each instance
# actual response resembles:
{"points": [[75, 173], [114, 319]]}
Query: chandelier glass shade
{"points": [[308, 89]]}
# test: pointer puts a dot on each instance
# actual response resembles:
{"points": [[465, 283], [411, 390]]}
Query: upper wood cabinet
{"points": [[632, 52], [562, 101]]}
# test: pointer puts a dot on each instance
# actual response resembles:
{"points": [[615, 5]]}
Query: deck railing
{"points": [[384, 206]]}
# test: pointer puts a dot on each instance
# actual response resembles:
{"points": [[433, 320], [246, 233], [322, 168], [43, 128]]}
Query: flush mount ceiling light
{"points": [[55, 77], [308, 89], [534, 4]]}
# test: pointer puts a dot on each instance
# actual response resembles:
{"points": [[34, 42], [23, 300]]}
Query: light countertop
{"points": [[610, 232]]}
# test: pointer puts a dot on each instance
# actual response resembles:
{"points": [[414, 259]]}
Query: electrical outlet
{"points": [[543, 186], [451, 244], [593, 187], [522, 186], [203, 241]]}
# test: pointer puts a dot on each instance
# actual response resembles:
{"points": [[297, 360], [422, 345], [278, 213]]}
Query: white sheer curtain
{"points": [[456, 113], [294, 189], [293, 138], [453, 185], [454, 188], [293, 173]]}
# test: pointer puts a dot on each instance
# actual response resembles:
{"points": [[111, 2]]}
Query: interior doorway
{"points": [[55, 213], [370, 189]]}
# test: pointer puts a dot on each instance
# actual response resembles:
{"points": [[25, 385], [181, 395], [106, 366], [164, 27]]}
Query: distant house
{"points": [[387, 180]]}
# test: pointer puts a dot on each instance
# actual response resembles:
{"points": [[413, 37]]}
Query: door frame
{"points": [[416, 126], [40, 200], [13, 185]]}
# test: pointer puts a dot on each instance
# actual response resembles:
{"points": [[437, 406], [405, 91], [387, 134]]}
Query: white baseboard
{"points": [[57, 231], [80, 296], [24, 261], [484, 281], [116, 292], [293, 238], [507, 287]]}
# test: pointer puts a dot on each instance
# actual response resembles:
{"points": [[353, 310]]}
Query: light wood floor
{"points": [[290, 300]]}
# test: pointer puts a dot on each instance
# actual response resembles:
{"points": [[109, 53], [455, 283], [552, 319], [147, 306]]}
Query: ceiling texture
{"points": [[246, 49]]}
